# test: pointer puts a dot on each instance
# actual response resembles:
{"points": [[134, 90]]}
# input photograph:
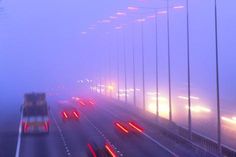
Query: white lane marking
{"points": [[146, 135], [160, 145], [67, 150], [100, 132], [19, 139]]}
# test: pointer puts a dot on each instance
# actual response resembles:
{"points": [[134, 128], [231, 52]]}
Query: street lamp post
{"points": [[157, 82], [118, 71], [125, 70], [188, 69], [110, 65], [217, 81], [134, 67], [143, 67], [169, 66]]}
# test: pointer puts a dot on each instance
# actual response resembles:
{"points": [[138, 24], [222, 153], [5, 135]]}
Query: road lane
{"points": [[95, 121], [76, 133], [46, 145], [9, 124], [134, 145], [150, 127]]}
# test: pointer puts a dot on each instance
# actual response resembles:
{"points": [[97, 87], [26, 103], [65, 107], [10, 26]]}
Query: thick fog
{"points": [[49, 45]]}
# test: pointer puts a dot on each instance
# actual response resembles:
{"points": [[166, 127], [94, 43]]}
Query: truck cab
{"points": [[35, 117]]}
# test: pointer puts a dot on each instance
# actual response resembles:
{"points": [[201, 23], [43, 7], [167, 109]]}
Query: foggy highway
{"points": [[70, 138], [110, 78]]}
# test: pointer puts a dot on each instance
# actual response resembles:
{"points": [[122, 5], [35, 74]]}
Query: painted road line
{"points": [[160, 145], [146, 135], [19, 139], [67, 150], [101, 134]]}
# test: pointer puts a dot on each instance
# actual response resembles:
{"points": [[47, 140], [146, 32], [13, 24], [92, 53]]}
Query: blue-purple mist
{"points": [[44, 47]]}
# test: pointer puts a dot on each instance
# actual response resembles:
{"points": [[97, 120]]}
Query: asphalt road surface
{"points": [[70, 138]]}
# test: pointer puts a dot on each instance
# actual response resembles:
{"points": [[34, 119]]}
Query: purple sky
{"points": [[42, 48], [41, 45]]}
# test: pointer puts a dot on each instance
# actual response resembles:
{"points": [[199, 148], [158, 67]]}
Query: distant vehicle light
{"points": [[198, 108], [76, 114], [65, 115], [162, 12], [178, 7], [46, 125], [113, 17], [131, 8], [91, 102], [121, 127], [151, 16], [25, 126], [110, 150], [136, 127], [82, 103], [121, 13], [92, 150]]}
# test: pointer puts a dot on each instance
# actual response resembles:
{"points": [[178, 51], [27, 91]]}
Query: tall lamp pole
{"points": [[217, 81], [118, 71], [125, 70], [169, 66], [143, 68], [157, 83], [189, 76], [134, 67]]}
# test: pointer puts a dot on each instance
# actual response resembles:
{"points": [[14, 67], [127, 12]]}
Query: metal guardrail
{"points": [[207, 143]]}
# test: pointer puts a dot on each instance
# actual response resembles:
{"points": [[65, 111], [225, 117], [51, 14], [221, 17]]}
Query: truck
{"points": [[35, 117]]}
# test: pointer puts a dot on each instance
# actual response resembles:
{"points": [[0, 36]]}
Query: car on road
{"points": [[70, 113], [100, 148]]}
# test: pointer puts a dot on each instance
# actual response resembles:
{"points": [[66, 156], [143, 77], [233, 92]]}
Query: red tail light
{"points": [[25, 126], [64, 114], [92, 150], [110, 150], [121, 127], [91, 102], [136, 127], [76, 114], [46, 124], [82, 103]]}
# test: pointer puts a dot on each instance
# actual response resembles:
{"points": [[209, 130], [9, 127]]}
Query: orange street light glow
{"points": [[141, 20], [83, 33], [113, 17], [229, 120], [186, 98], [151, 16], [110, 87], [133, 8], [198, 108], [120, 13], [162, 12], [178, 7], [118, 27]]}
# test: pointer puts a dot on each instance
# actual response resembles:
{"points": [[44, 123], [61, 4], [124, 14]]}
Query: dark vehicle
{"points": [[35, 113], [100, 148]]}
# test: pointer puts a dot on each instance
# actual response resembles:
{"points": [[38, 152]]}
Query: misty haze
{"points": [[113, 78]]}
